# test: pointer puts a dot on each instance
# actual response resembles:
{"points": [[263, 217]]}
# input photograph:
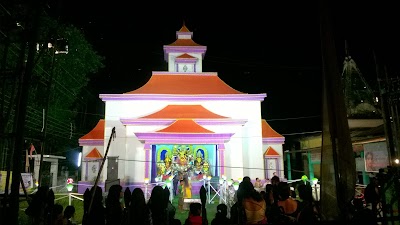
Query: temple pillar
{"points": [[221, 158], [86, 170], [147, 149]]}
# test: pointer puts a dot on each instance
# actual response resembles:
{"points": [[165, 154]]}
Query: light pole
{"points": [[59, 47]]}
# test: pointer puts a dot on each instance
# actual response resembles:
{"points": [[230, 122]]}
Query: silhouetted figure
{"points": [[38, 210], [69, 212], [57, 215], [371, 195], [114, 210], [363, 215], [126, 204], [309, 213], [158, 206], [221, 216], [139, 212], [96, 215]]}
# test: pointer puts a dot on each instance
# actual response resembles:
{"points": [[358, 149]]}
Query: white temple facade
{"points": [[182, 120]]}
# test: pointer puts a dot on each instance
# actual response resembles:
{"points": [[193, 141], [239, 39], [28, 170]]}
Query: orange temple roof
{"points": [[184, 29], [94, 154], [185, 84], [184, 112], [96, 133], [185, 126], [267, 131]]}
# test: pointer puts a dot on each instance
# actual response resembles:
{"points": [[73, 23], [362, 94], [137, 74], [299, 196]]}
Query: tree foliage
{"points": [[59, 83]]}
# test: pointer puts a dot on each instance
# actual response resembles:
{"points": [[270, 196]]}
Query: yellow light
{"points": [[146, 180]]}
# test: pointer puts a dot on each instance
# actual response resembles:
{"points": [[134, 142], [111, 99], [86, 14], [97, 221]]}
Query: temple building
{"points": [[185, 121]]}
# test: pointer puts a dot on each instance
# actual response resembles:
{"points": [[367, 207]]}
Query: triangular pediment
{"points": [[94, 154], [271, 152]]}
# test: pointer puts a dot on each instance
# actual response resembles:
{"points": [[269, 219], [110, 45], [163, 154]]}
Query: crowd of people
{"points": [[277, 204]]}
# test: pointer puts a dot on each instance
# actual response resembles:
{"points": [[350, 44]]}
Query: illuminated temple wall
{"points": [[243, 153]]}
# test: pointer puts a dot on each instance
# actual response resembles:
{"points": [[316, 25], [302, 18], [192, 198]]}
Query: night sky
{"points": [[271, 48]]}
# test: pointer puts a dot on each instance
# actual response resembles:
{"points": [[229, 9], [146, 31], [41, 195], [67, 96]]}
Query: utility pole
{"points": [[29, 36], [337, 157], [387, 120]]}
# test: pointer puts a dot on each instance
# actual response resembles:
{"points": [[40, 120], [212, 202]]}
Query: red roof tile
{"points": [[185, 126], [271, 152], [184, 29], [94, 154], [185, 84], [96, 133], [184, 112], [267, 131]]}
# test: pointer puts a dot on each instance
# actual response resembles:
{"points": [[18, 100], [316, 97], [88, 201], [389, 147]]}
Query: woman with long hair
{"points": [[139, 212]]}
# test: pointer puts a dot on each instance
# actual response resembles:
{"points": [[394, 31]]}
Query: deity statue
{"points": [[167, 162], [161, 169], [206, 167], [198, 163]]}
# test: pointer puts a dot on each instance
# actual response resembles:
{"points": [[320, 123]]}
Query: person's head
{"points": [[283, 190], [275, 180], [246, 179], [369, 160], [222, 210], [258, 179], [305, 192], [69, 211], [195, 209]]}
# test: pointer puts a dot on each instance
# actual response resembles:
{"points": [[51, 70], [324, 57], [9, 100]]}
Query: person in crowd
{"points": [[258, 183], [194, 217], [181, 190], [221, 216], [57, 215], [114, 209], [69, 212], [96, 215], [289, 208], [371, 194], [175, 182], [363, 215], [158, 206], [187, 186], [139, 212], [253, 204], [309, 213]]}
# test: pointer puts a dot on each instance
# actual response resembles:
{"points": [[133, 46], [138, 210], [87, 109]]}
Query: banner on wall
{"points": [[26, 178], [375, 156]]}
